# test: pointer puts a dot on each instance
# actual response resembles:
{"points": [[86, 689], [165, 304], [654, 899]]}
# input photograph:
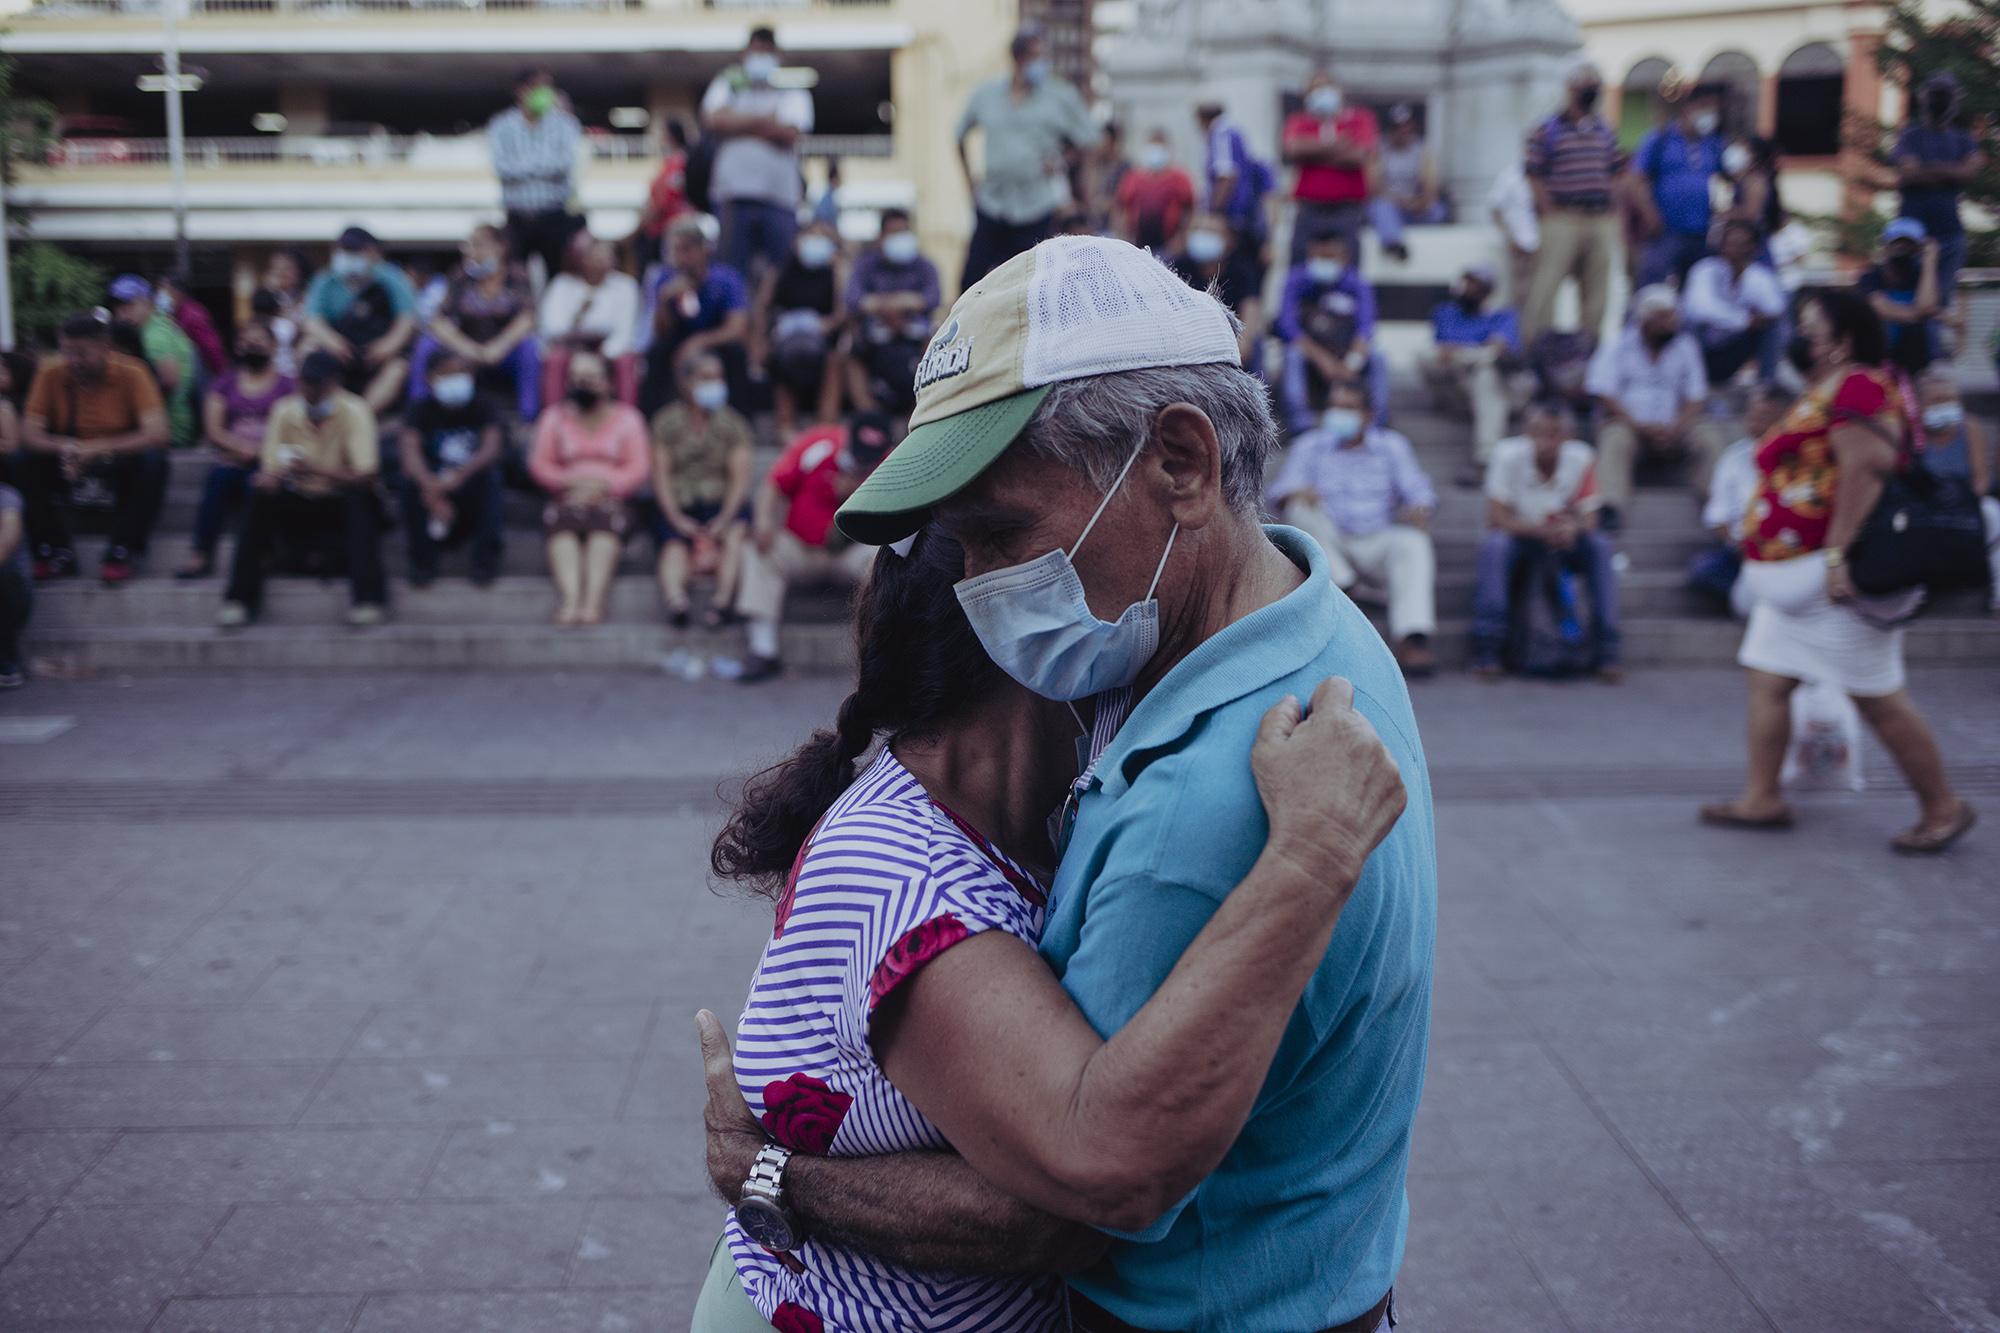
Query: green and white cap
{"points": [[1072, 307]]}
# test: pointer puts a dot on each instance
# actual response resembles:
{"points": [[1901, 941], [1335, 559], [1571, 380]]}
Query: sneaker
{"points": [[54, 562], [11, 677], [197, 567], [760, 668], [232, 615], [117, 567], [365, 615], [1414, 655], [679, 617]]}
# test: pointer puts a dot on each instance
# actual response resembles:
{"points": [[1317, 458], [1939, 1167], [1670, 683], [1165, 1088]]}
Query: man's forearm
{"points": [[930, 1211]]}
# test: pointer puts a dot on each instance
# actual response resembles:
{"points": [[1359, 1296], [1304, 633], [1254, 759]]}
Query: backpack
{"points": [[368, 317], [1551, 622]]}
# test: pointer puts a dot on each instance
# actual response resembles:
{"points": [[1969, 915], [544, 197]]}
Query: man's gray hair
{"points": [[1095, 424]]}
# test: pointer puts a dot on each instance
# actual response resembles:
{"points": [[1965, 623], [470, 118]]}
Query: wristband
{"points": [[1834, 557]]}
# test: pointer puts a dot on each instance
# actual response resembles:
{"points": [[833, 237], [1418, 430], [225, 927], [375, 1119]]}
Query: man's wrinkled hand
{"points": [[734, 1136], [1330, 788]]}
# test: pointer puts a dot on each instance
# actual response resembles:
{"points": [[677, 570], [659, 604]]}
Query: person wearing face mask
{"points": [[451, 486], [91, 409], [1715, 574], [1573, 164], [590, 456], [235, 416], [792, 536], [1357, 489], [1155, 199], [795, 327], [534, 145], [362, 311], [1735, 307], [1957, 444], [1409, 192], [1100, 173], [1032, 125], [1327, 323], [1334, 145], [315, 486], [174, 294], [1672, 173], [891, 303], [1751, 164], [594, 307], [1103, 476], [754, 185], [1936, 157], [1212, 261], [701, 491], [170, 352], [1542, 503], [1903, 287], [696, 305], [487, 317], [1652, 395], [1820, 472], [1474, 345]]}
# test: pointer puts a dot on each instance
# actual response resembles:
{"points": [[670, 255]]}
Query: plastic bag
{"points": [[1825, 753]]}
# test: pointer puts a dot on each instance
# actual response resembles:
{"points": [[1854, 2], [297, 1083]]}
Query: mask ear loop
{"points": [[1161, 568], [1105, 503]]}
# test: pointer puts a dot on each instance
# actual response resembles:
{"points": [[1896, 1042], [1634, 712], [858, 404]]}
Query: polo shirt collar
{"points": [[1268, 644]]}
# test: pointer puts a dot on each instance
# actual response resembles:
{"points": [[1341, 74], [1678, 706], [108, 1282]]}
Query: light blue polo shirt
{"points": [[1301, 1227]]}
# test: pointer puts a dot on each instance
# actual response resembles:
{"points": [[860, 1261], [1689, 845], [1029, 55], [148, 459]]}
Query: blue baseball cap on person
{"points": [[130, 287], [1905, 229]]}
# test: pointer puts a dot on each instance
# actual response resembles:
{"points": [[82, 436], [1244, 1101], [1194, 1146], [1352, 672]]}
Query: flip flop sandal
{"points": [[1723, 814], [1920, 841]]}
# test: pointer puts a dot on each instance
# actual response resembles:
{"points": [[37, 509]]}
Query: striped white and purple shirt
{"points": [[888, 881]]}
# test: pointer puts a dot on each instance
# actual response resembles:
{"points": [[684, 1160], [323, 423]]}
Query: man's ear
{"points": [[1188, 464]]}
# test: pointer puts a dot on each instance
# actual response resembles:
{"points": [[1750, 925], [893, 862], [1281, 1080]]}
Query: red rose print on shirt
{"points": [[804, 1114], [790, 1318], [917, 947]]}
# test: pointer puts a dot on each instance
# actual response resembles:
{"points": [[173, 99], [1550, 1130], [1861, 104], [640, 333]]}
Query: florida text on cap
{"points": [[1071, 308]]}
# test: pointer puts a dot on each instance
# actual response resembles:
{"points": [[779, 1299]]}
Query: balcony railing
{"points": [[335, 8], [459, 152]]}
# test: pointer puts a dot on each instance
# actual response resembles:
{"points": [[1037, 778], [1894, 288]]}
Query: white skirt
{"points": [[1798, 632]]}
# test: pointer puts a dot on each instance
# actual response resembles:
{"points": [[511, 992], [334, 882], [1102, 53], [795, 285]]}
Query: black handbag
{"points": [[1925, 531]]}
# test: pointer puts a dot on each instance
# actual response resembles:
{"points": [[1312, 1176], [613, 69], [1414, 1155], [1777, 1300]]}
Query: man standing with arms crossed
{"points": [[1573, 164], [534, 144]]}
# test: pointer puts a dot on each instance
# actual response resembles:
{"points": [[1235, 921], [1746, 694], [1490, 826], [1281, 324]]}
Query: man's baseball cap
{"points": [[130, 287], [321, 367], [1901, 229], [868, 438], [355, 239], [1071, 308]]}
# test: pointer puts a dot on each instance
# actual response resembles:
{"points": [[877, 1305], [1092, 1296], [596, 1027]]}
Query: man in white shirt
{"points": [[1542, 495], [755, 183], [595, 308], [1715, 573], [1652, 392], [1357, 489], [1511, 204], [1734, 306]]}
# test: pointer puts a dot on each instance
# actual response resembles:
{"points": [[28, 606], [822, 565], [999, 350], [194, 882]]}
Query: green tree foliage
{"points": [[50, 285]]}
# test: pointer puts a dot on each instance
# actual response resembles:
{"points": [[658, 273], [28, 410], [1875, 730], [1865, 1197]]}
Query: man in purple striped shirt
{"points": [[1573, 164]]}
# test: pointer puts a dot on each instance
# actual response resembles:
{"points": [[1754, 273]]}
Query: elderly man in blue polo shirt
{"points": [[1084, 430]]}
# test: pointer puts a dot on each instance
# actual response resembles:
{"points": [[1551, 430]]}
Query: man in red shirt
{"points": [[1334, 146], [792, 536], [1155, 199]]}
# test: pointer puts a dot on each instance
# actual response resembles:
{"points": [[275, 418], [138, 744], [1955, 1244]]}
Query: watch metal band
{"points": [[767, 1173]]}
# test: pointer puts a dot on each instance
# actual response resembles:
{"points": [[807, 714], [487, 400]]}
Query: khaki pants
{"points": [[1399, 558], [1618, 454], [765, 577], [722, 1306], [1520, 274], [1470, 383], [1574, 245]]}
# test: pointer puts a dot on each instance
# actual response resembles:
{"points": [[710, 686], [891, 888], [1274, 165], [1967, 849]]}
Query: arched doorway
{"points": [[1639, 104], [1812, 88], [1735, 80]]}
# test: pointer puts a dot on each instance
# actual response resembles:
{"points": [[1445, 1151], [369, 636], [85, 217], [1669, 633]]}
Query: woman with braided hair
{"points": [[944, 841]]}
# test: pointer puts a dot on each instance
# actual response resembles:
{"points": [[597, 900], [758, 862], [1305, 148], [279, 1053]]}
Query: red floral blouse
{"points": [[1797, 475]]}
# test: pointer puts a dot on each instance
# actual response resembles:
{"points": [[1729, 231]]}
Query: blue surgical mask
{"points": [[1323, 101], [711, 395], [1036, 71], [1037, 625], [759, 66], [1205, 247], [1325, 270], [1343, 423], [900, 247], [351, 264], [453, 390], [816, 251], [1944, 416]]}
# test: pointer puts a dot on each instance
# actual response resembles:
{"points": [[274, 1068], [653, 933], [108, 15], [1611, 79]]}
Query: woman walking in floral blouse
{"points": [[1821, 470], [936, 843]]}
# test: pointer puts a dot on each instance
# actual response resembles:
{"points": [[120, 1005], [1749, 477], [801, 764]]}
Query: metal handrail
{"points": [[388, 150]]}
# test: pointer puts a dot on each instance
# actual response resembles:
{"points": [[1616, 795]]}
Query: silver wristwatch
{"points": [[761, 1210]]}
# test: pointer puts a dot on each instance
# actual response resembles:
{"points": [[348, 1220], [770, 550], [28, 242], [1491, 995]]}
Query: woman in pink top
{"points": [[591, 455]]}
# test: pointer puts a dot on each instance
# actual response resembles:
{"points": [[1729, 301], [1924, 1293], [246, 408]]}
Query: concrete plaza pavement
{"points": [[363, 1003]]}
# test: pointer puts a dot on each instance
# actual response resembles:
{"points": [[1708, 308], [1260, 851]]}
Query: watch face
{"points": [[766, 1223]]}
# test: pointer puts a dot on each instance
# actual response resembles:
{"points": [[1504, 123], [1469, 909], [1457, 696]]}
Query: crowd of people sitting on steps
{"points": [[631, 395]]}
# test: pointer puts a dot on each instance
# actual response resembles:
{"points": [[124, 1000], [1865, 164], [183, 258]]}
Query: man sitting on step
{"points": [[792, 536], [1357, 489], [1476, 360], [316, 480], [1652, 391]]}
